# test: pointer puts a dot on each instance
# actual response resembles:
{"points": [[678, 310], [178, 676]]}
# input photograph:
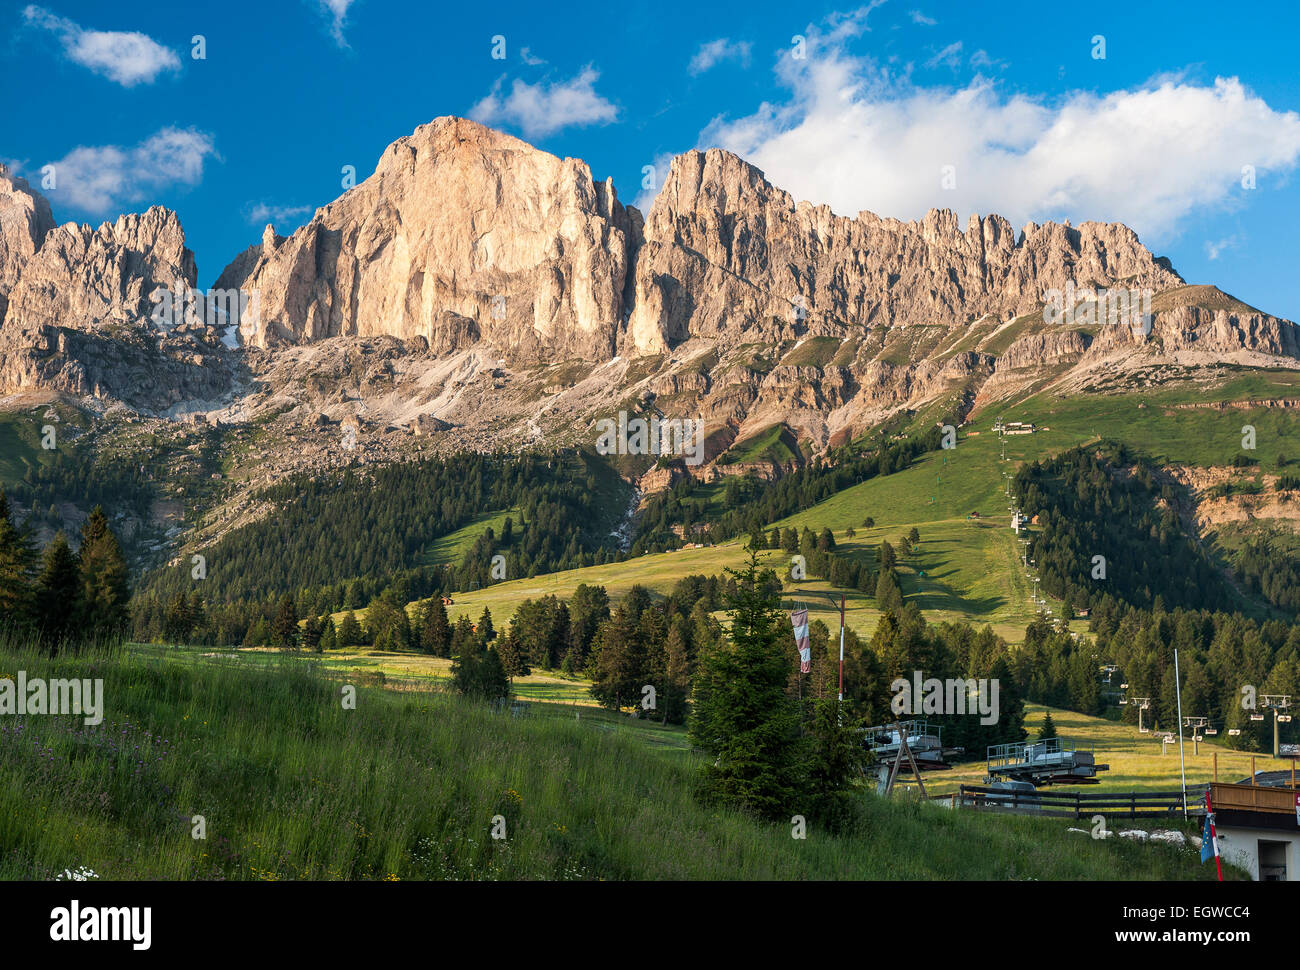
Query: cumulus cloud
{"points": [[716, 51], [922, 19], [855, 136], [127, 58], [99, 179], [546, 107]]}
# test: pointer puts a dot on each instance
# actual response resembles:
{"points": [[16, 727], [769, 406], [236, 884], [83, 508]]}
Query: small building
{"points": [[1258, 827]]}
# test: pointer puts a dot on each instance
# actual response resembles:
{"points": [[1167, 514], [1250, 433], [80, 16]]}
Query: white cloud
{"points": [[337, 11], [262, 213], [127, 58], [716, 51], [922, 19], [981, 58], [1216, 248], [98, 179], [528, 57], [950, 56], [541, 109], [855, 137]]}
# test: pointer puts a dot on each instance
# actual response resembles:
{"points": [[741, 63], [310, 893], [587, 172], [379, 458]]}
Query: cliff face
{"points": [[24, 220], [462, 233], [727, 253], [478, 281], [80, 319]]}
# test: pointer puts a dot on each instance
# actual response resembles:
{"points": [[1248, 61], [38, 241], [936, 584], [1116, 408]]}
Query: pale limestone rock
{"points": [[462, 234]]}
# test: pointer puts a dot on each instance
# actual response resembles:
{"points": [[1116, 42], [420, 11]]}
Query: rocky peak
{"points": [[88, 278], [458, 222], [25, 219]]}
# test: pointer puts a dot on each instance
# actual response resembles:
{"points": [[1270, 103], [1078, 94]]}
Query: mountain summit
{"points": [[501, 295]]}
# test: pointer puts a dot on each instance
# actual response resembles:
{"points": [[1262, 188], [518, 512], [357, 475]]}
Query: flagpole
{"points": [[841, 697], [1182, 761], [1214, 834]]}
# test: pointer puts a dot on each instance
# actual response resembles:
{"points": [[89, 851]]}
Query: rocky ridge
{"points": [[477, 292]]}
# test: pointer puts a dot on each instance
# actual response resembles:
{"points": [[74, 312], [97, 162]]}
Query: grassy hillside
{"points": [[291, 784]]}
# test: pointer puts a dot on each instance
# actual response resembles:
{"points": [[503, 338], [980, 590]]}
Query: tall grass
{"points": [[291, 785]]}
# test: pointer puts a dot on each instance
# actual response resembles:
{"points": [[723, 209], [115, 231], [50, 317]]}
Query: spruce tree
{"points": [[284, 630], [486, 632], [349, 632], [58, 595], [15, 573], [465, 658], [435, 631], [1048, 730], [743, 717], [105, 591]]}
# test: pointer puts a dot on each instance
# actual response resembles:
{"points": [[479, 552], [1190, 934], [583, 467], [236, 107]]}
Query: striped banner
{"points": [[799, 620]]}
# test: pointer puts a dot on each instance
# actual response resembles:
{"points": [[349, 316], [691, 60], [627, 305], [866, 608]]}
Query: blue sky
{"points": [[893, 107]]}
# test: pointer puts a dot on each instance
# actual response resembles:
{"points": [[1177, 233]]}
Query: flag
{"points": [[1209, 844], [799, 620]]}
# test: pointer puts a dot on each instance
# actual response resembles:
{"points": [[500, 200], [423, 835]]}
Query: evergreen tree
{"points": [[349, 632], [15, 572], [435, 630], [513, 658], [328, 635], [58, 595], [743, 717], [284, 631], [312, 634], [465, 657], [1048, 729], [105, 592], [493, 681], [486, 632], [619, 666], [677, 674], [836, 759], [888, 595]]}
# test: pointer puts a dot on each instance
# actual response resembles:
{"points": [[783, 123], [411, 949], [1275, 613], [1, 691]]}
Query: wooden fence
{"points": [[1076, 805]]}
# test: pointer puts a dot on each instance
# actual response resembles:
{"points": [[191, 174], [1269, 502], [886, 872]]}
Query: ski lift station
{"points": [[923, 741], [1056, 761]]}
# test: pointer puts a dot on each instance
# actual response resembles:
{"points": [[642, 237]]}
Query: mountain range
{"points": [[477, 292]]}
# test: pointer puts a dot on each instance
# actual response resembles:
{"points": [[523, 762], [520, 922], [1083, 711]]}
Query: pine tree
{"points": [[284, 631], [888, 595], [15, 573], [312, 633], [465, 659], [742, 716], [493, 682], [512, 654], [618, 671], [328, 635], [105, 591], [677, 674], [58, 595], [486, 632], [349, 631], [1048, 730], [836, 758], [435, 631]]}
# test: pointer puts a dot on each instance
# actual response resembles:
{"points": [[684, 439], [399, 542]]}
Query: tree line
{"points": [[750, 503], [61, 597]]}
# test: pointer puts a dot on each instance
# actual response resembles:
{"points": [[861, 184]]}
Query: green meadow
{"points": [[283, 780]]}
